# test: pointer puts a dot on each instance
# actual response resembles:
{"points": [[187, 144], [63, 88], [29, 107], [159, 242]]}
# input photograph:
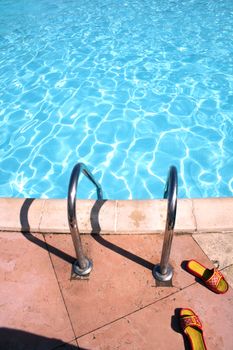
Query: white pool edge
{"points": [[116, 216]]}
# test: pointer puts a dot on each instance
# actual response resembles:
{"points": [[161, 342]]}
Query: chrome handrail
{"points": [[163, 271], [82, 265]]}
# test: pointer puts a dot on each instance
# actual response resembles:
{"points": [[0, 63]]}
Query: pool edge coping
{"points": [[116, 216]]}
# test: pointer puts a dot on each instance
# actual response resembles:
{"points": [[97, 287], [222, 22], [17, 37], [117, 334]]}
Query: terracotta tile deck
{"points": [[122, 278], [119, 307], [156, 326], [30, 297]]}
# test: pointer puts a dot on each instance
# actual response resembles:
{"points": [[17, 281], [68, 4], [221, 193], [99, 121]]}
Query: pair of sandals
{"points": [[189, 321]]}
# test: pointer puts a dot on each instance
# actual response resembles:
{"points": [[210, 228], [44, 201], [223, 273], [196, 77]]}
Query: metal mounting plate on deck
{"points": [[162, 277]]}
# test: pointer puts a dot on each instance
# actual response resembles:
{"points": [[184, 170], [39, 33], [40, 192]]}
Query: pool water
{"points": [[127, 87]]}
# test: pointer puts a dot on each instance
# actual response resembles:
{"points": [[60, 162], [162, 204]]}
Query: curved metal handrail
{"points": [[163, 271], [83, 265]]}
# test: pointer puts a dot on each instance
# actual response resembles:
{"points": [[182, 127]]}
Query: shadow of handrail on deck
{"points": [[96, 229], [94, 218], [25, 230]]}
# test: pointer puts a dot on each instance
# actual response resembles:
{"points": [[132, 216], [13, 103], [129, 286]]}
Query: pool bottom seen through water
{"points": [[128, 88]]}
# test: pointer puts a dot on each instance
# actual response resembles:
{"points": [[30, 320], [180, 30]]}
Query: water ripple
{"points": [[129, 90]]}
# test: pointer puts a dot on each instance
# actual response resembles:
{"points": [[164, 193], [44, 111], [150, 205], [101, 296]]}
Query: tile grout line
{"points": [[226, 267], [206, 253], [61, 346], [135, 311], [194, 216], [201, 248], [42, 213], [75, 338], [116, 212]]}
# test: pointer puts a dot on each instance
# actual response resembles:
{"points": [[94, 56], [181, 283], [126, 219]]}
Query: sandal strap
{"points": [[214, 280], [190, 321]]}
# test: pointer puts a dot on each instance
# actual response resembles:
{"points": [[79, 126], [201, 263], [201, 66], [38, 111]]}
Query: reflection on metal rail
{"points": [[82, 265], [163, 271]]}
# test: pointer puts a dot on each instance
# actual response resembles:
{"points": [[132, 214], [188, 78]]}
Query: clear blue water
{"points": [[128, 87]]}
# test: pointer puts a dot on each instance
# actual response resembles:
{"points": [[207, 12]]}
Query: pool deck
{"points": [[120, 306]]}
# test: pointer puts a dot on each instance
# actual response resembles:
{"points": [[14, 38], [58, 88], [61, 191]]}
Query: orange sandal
{"points": [[212, 278], [192, 328]]}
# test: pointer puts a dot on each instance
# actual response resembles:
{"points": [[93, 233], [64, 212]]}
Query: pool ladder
{"points": [[83, 266], [163, 271]]}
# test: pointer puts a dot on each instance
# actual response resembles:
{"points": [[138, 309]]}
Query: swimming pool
{"points": [[127, 87]]}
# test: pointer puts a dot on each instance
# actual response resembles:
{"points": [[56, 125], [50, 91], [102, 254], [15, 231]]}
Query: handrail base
{"points": [[162, 277], [82, 272]]}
